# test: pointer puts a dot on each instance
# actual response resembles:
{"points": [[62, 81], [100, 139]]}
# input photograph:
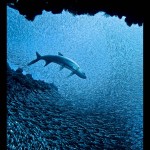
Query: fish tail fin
{"points": [[35, 60], [38, 55]]}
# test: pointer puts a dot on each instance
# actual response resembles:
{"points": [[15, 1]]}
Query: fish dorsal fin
{"points": [[60, 54]]}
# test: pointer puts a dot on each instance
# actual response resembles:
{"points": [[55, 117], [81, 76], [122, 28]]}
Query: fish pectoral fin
{"points": [[61, 67], [60, 54], [71, 74]]}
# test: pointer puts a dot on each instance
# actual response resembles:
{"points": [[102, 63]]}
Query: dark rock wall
{"points": [[132, 10]]}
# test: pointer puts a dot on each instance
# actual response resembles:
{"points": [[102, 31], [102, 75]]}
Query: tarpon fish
{"points": [[64, 62]]}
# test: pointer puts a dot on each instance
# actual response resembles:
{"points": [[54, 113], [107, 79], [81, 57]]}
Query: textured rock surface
{"points": [[133, 11], [39, 118]]}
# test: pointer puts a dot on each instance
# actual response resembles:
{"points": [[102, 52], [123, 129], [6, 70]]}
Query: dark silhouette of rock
{"points": [[27, 80], [19, 70], [132, 10]]}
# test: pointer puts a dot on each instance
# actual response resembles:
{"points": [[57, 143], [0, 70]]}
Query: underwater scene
{"points": [[74, 82]]}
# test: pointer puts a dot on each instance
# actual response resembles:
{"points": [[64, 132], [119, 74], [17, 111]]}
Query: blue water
{"points": [[109, 52]]}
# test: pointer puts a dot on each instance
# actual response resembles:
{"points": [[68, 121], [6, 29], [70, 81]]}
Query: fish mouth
{"points": [[84, 77]]}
